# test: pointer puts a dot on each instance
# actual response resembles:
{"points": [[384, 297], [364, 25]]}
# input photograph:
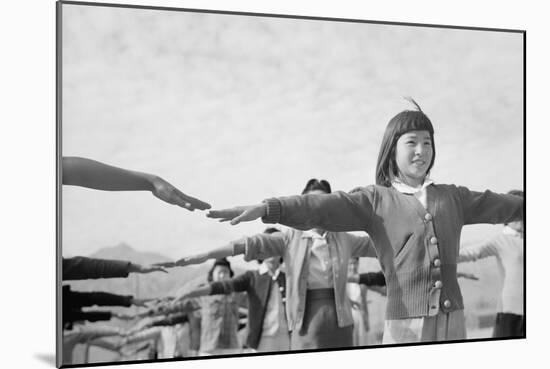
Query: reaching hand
{"points": [[140, 302], [190, 260], [353, 278], [138, 268], [239, 214], [166, 192]]}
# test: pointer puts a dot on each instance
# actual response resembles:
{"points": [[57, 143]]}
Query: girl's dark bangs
{"points": [[413, 121]]}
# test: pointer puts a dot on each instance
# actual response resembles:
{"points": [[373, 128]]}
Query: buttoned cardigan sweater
{"points": [[417, 247]]}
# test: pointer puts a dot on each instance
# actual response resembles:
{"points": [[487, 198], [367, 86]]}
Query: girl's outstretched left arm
{"points": [[490, 207]]}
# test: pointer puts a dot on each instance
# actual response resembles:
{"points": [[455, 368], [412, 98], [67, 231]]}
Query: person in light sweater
{"points": [[415, 225], [507, 248], [317, 309]]}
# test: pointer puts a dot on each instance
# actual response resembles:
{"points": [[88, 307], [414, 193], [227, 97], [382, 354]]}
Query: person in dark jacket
{"points": [[81, 267], [74, 301]]}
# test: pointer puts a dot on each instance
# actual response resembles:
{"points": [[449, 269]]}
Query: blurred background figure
{"points": [[267, 327], [356, 289], [86, 334], [219, 316], [507, 248]]}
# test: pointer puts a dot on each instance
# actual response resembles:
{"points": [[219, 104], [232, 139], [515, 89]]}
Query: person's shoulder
{"points": [[448, 188], [445, 186], [369, 189]]}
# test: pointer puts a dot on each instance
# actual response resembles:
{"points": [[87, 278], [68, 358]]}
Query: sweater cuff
{"points": [[216, 288], [273, 213], [127, 300], [125, 266]]}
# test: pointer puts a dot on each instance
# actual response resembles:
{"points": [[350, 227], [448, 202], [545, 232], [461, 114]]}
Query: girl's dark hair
{"points": [[406, 121], [221, 262], [315, 184]]}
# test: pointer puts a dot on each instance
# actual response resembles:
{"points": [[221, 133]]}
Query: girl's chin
{"points": [[417, 173]]}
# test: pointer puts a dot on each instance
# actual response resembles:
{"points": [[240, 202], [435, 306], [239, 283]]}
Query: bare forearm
{"points": [[93, 174]]}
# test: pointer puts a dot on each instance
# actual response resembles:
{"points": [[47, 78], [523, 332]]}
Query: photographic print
{"points": [[244, 184]]}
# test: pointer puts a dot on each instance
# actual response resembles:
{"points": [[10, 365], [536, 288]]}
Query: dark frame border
{"points": [[59, 95], [58, 184]]}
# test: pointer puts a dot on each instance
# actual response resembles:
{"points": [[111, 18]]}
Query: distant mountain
{"points": [[123, 251]]}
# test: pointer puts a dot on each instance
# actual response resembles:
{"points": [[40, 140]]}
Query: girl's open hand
{"points": [[239, 214], [140, 302], [170, 194]]}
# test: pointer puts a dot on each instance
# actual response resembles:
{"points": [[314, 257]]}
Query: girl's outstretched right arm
{"points": [[337, 212]]}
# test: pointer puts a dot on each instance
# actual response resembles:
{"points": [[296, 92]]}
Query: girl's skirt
{"points": [[320, 324], [441, 327]]}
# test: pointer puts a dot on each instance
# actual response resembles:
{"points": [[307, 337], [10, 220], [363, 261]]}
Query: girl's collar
{"points": [[405, 188]]}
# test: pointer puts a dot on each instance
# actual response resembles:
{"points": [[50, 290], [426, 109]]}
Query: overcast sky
{"points": [[234, 109]]}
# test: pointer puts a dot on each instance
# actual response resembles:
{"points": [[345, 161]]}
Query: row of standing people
{"points": [[412, 226]]}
